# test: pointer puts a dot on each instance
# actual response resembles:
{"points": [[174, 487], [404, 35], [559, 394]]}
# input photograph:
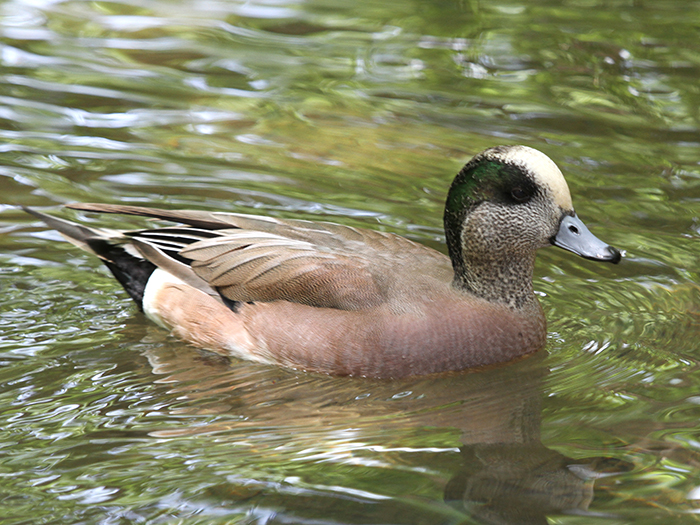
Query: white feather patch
{"points": [[543, 169], [158, 280]]}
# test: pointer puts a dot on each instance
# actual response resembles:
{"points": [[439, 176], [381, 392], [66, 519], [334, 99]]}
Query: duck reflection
{"points": [[500, 474]]}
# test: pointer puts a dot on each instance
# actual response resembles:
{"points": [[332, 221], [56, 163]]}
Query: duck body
{"points": [[439, 332], [334, 299]]}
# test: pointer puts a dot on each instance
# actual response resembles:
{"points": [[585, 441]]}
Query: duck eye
{"points": [[519, 194]]}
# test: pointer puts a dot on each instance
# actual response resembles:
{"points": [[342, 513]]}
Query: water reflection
{"points": [[358, 112], [500, 472]]}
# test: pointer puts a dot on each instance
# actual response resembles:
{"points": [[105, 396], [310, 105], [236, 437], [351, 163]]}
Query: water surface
{"points": [[360, 113]]}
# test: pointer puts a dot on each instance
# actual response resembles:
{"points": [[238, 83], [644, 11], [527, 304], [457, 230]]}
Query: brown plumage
{"points": [[342, 300]]}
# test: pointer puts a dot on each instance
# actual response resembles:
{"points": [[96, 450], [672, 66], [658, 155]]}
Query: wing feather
{"points": [[256, 258], [254, 266]]}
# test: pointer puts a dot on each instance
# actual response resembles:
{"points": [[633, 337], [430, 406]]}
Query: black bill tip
{"points": [[574, 236]]}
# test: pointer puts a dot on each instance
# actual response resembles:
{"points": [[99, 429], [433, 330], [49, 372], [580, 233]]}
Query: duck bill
{"points": [[575, 237]]}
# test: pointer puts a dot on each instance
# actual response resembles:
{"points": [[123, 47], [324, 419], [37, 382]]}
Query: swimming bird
{"points": [[340, 300]]}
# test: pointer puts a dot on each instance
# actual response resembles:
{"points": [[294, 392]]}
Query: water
{"points": [[360, 113]]}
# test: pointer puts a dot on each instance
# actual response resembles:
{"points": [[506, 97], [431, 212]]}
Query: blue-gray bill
{"points": [[574, 236]]}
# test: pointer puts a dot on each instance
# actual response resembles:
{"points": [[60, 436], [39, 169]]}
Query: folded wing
{"points": [[251, 258]]}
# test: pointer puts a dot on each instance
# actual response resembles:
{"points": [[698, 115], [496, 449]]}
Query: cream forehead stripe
{"points": [[542, 168]]}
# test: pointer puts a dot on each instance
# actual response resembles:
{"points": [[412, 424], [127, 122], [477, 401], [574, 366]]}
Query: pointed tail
{"points": [[130, 268]]}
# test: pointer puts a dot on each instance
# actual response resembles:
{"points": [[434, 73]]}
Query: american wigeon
{"points": [[329, 298]]}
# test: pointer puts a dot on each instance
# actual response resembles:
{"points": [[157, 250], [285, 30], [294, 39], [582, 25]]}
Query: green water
{"points": [[361, 113]]}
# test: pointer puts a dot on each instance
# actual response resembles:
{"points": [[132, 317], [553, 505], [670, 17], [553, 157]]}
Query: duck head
{"points": [[505, 204]]}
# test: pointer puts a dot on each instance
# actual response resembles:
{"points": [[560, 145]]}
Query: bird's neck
{"points": [[506, 279]]}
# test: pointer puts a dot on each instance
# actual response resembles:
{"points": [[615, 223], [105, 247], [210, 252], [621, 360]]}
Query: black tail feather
{"points": [[131, 272]]}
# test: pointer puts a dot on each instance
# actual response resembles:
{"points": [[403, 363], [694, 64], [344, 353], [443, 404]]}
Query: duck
{"points": [[334, 299]]}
